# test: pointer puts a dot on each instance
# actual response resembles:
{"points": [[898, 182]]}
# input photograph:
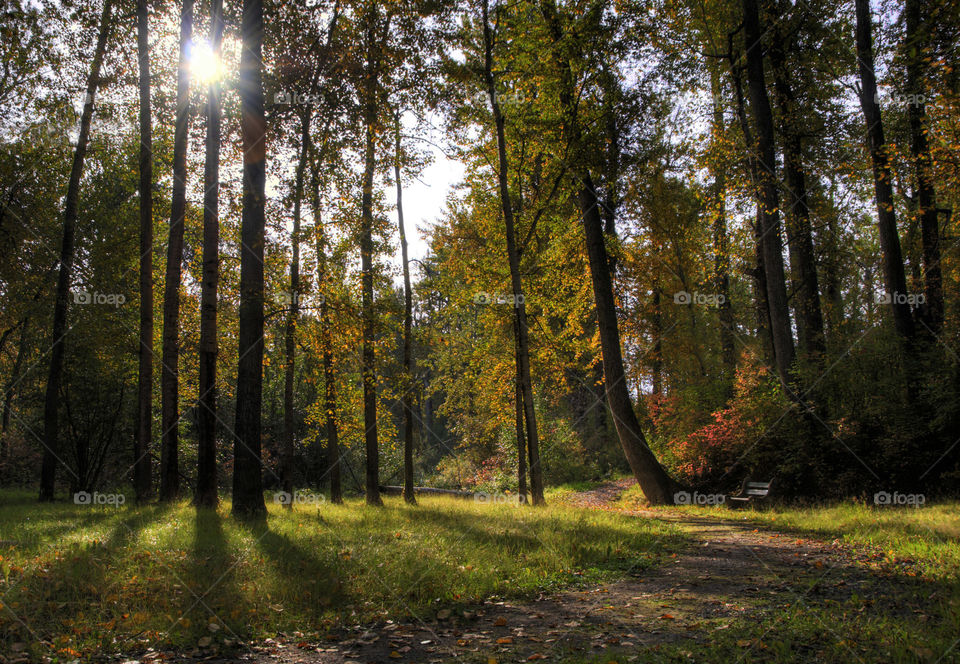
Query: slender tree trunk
{"points": [[721, 250], [290, 332], [51, 421], [520, 311], [408, 383], [656, 484], [169, 376], [895, 281], [326, 349], [767, 196], [207, 495], [656, 323], [799, 233], [519, 415], [142, 464], [759, 273], [917, 38], [368, 354], [247, 471], [8, 393]]}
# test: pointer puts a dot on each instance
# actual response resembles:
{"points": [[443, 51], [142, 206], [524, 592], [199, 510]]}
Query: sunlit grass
{"points": [[90, 579]]}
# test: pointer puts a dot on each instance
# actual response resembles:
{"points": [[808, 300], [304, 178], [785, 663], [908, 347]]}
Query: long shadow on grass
{"points": [[77, 579]]}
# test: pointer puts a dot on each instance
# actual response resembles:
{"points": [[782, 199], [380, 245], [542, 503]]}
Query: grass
{"points": [[79, 580]]}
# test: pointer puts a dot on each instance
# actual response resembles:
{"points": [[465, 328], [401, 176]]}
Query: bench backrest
{"points": [[757, 488]]}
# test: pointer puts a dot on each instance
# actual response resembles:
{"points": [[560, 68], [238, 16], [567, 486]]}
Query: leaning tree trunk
{"points": [[207, 407], [247, 468], [803, 263], [290, 331], [894, 278], [917, 38], [51, 421], [368, 353], [767, 196], [169, 375], [142, 464], [656, 484], [408, 383], [520, 310]]}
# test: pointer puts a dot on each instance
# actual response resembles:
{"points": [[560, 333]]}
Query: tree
{"points": [[895, 281], [207, 495], [767, 195], [513, 258], [142, 465], [169, 375], [408, 383], [247, 477], [52, 397]]}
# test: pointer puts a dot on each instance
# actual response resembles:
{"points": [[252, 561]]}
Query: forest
{"points": [[397, 315]]}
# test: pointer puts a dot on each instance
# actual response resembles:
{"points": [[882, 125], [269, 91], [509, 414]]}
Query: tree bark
{"points": [[721, 249], [767, 196], [408, 383], [895, 281], [169, 375], [247, 471], [656, 484], [519, 415], [326, 349], [520, 311], [803, 263], [142, 464], [51, 422], [917, 38], [290, 331], [368, 354], [9, 393], [207, 495]]}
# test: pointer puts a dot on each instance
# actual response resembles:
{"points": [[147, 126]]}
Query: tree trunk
{"points": [[721, 250], [326, 349], [368, 355], [8, 393], [247, 471], [408, 383], [657, 486], [51, 421], [207, 495], [917, 38], [895, 281], [290, 331], [803, 263], [169, 375], [520, 311], [767, 196], [759, 274], [519, 415], [142, 464]]}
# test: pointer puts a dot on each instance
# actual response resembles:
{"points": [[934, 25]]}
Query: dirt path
{"points": [[731, 570]]}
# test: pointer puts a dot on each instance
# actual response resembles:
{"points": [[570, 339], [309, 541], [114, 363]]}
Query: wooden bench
{"points": [[751, 492]]}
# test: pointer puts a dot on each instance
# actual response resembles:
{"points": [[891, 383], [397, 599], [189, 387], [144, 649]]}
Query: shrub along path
{"points": [[741, 592]]}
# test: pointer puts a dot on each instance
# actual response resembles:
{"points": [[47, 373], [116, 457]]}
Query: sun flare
{"points": [[205, 64]]}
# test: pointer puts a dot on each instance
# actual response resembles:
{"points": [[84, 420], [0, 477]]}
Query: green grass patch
{"points": [[80, 580]]}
